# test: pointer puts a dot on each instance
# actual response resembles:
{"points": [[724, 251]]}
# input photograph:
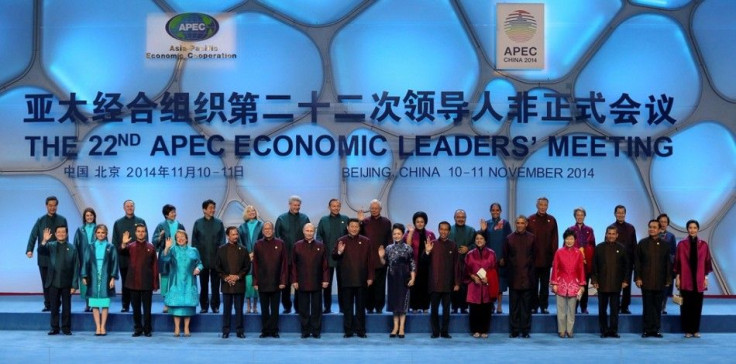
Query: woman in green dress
{"points": [[165, 229], [250, 232], [184, 265], [99, 272], [83, 238]]}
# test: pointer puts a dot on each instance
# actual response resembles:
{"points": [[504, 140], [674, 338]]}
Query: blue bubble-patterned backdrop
{"points": [[679, 48]]}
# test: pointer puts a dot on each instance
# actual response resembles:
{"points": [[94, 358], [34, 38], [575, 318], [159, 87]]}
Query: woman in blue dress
{"points": [[99, 272], [496, 231], [250, 232], [184, 265], [401, 269], [83, 238], [165, 229]]}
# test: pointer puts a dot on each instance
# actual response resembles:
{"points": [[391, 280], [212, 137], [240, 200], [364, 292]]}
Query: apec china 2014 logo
{"points": [[520, 26], [192, 27]]}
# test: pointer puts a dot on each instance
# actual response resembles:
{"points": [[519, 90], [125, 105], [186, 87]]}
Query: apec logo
{"points": [[192, 27]]}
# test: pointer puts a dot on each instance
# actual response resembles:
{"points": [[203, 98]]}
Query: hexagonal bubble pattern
{"points": [[714, 30], [114, 50], [565, 30], [13, 109], [499, 91], [150, 193], [596, 185], [265, 66], [270, 180], [313, 12], [658, 61], [664, 4], [416, 188], [203, 6], [16, 34], [692, 182], [392, 47], [536, 127], [367, 176], [27, 206], [723, 249]]}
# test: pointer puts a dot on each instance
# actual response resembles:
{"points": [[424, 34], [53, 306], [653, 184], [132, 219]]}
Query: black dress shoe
{"points": [[316, 336], [286, 312], [125, 309], [464, 311], [454, 310], [67, 333], [434, 336], [644, 334], [379, 312], [204, 310], [275, 336], [305, 335], [137, 333], [604, 336], [446, 336], [326, 311], [88, 309], [617, 336], [45, 309], [525, 336], [347, 336], [626, 312], [544, 310], [263, 336], [513, 335], [241, 335], [225, 335], [362, 336], [215, 310], [54, 332], [534, 310], [147, 334], [659, 335]]}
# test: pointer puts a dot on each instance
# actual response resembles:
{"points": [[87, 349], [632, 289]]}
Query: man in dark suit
{"points": [[653, 272], [609, 275], [444, 278], [518, 256], [354, 255], [142, 278], [269, 278], [232, 264], [62, 279], [309, 275], [50, 221], [122, 225]]}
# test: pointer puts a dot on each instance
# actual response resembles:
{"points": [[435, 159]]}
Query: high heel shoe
{"points": [[392, 336], [176, 334], [401, 336]]}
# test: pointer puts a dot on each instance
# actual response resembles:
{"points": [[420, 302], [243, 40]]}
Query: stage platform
{"points": [[24, 313]]}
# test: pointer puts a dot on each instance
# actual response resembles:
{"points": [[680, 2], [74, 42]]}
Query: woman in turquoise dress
{"points": [[250, 232], [99, 272], [184, 265], [83, 238], [165, 229]]}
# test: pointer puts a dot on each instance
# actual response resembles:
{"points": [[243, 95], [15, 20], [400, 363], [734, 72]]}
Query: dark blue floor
{"points": [[23, 333]]}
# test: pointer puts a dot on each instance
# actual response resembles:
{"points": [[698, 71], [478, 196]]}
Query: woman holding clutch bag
{"points": [[692, 265], [568, 282], [482, 280]]}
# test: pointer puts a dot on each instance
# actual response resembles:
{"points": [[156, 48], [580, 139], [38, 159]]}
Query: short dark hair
{"points": [[166, 210], [495, 204], [353, 220], [444, 223], [399, 226], [654, 220], [419, 214], [568, 232], [665, 216], [619, 207], [51, 198], [139, 224], [692, 221], [612, 227], [227, 231], [207, 203], [89, 209], [62, 227]]}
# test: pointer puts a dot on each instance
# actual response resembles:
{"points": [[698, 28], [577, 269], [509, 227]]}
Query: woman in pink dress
{"points": [[567, 282], [482, 280]]}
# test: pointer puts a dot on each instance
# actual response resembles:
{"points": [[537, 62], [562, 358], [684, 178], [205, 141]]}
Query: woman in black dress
{"points": [[417, 237], [401, 269]]}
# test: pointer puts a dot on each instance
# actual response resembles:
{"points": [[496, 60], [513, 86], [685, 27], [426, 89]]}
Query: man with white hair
{"points": [[289, 228]]}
